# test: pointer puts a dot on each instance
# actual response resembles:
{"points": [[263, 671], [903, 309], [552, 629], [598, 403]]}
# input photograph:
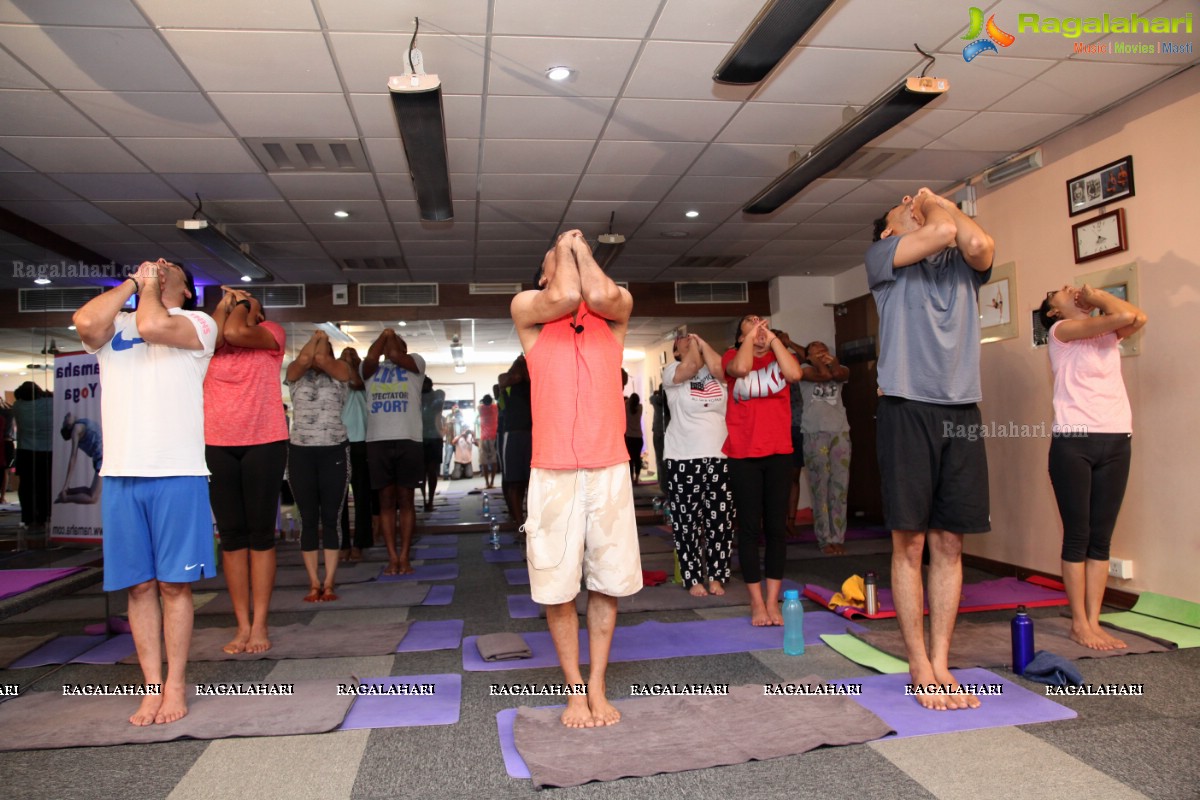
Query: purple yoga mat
{"points": [[432, 553], [57, 651], [442, 595], [424, 572], [115, 625], [518, 576], [851, 534], [884, 695], [514, 765], [15, 581], [503, 556], [443, 634], [110, 652], [428, 540], [653, 640], [403, 711]]}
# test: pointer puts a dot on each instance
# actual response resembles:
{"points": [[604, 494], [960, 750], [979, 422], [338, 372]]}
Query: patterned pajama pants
{"points": [[827, 459], [701, 517]]}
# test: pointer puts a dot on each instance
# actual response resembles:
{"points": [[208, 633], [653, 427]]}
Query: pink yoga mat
{"points": [[1036, 592]]}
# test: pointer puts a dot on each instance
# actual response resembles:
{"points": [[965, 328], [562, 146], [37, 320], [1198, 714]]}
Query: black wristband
{"points": [[137, 287], [243, 302]]}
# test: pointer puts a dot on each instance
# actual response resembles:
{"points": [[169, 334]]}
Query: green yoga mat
{"points": [[862, 653], [1160, 616]]}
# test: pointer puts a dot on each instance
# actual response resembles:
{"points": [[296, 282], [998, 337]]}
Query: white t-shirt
{"points": [[394, 402], [152, 401], [697, 428]]}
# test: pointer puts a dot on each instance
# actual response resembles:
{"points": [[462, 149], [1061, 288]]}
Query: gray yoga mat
{"points": [[286, 575], [356, 595], [989, 644], [45, 720], [300, 641], [675, 734], [12, 648], [377, 556]]}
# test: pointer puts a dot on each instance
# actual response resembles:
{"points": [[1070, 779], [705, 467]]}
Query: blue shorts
{"points": [[156, 528]]}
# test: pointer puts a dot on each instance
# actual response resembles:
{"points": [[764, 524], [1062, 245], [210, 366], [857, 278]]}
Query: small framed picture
{"points": [[1120, 282], [996, 319], [1110, 182]]}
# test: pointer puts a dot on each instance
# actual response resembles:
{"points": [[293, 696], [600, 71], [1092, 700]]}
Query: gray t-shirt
{"points": [[317, 401], [928, 325], [823, 409], [394, 403]]}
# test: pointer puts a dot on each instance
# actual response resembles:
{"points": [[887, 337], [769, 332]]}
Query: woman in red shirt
{"points": [[758, 417]]}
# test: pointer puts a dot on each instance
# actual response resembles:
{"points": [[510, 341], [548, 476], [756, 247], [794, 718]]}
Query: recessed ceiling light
{"points": [[246, 279], [491, 341], [41, 281], [341, 214], [691, 214], [402, 323], [558, 73]]}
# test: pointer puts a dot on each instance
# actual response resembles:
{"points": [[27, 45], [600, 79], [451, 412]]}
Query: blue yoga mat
{"points": [[441, 595], [443, 634], [517, 576], [652, 640], [432, 553], [109, 652], [57, 651], [403, 711], [424, 572], [505, 555]]}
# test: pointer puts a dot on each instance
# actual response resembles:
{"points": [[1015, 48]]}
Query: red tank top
{"points": [[578, 409]]}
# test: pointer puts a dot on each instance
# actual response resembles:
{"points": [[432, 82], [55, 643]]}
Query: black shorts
{"points": [[933, 472], [797, 448], [518, 453], [433, 451], [399, 462]]}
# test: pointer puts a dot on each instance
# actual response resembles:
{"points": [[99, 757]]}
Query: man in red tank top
{"points": [[581, 519]]}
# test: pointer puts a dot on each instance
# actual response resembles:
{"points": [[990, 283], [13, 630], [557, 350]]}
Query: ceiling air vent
{"points": [[712, 292], [309, 155], [282, 295], [495, 288], [397, 294], [68, 299], [373, 264]]}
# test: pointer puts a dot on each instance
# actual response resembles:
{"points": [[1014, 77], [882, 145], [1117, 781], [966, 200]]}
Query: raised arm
{"points": [[95, 320], [977, 248], [155, 325], [371, 363], [241, 328], [303, 361], [743, 359], [1120, 316], [323, 360], [602, 296], [937, 232], [559, 298], [689, 363], [711, 358], [788, 364], [397, 352]]}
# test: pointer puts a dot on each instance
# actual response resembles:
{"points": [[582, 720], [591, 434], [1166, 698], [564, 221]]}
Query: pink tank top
{"points": [[1089, 394], [578, 409]]}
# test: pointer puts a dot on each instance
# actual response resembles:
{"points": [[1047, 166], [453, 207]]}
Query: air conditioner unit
{"points": [[1013, 168]]}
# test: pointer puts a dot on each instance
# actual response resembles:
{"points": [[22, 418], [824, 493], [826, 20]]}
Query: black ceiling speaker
{"points": [[776, 30], [417, 103]]}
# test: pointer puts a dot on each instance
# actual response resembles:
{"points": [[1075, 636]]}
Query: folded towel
{"points": [[653, 577], [502, 647], [853, 593], [1046, 667]]}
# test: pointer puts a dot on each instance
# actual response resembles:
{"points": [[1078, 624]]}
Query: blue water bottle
{"points": [[1022, 641], [487, 509], [793, 623], [495, 539]]}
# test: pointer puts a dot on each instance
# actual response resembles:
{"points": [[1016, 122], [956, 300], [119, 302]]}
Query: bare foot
{"points": [[147, 711], [259, 643], [603, 712], [237, 644], [955, 699], [393, 568], [577, 714], [715, 588], [758, 615], [697, 590], [174, 704], [774, 615], [405, 568], [925, 688], [830, 550], [1088, 636], [1113, 642]]}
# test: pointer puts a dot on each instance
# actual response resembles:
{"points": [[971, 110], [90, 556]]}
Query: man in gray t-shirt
{"points": [[925, 269]]}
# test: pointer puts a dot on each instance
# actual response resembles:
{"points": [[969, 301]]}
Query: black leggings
{"points": [[244, 492], [33, 492], [365, 504], [318, 476], [1089, 474], [760, 496]]}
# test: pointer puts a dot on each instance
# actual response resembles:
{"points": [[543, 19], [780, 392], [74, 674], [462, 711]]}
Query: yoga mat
{"points": [[16, 581], [676, 734], [44, 720], [518, 576], [12, 648], [654, 640], [857, 547], [505, 555], [356, 595], [286, 575], [115, 625], [984, 596], [427, 551], [57, 651], [300, 641], [664, 597], [989, 644], [884, 695], [862, 653], [852, 534], [443, 634], [424, 572], [107, 652], [441, 595], [1183, 636], [407, 710]]}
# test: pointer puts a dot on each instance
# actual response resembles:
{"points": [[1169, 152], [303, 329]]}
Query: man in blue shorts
{"points": [[158, 533], [925, 269]]}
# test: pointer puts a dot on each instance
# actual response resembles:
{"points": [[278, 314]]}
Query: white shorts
{"points": [[582, 521]]}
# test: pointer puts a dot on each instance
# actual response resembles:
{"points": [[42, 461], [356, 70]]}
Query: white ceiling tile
{"points": [[713, 246], [97, 235], [820, 75], [367, 60], [795, 248], [851, 213], [921, 128], [290, 116], [15, 76], [651, 245], [624, 19], [421, 249], [387, 155], [947, 166], [695, 231], [546, 117], [65, 212], [322, 211], [351, 231], [682, 71], [269, 232], [144, 211], [521, 211], [294, 249], [399, 188], [587, 214], [643, 158], [223, 186], [437, 16], [519, 66], [243, 211], [97, 58], [976, 85], [763, 123], [709, 212], [346, 186], [64, 154], [462, 115], [383, 249], [706, 21], [32, 186], [828, 190], [9, 163], [72, 12], [193, 155], [151, 114], [256, 61], [713, 189], [850, 23], [761, 160], [453, 230], [750, 231], [825, 230], [532, 249], [119, 186], [232, 14], [637, 119], [515, 230], [1003, 131], [38, 113], [1076, 87], [529, 155], [624, 187], [879, 192]]}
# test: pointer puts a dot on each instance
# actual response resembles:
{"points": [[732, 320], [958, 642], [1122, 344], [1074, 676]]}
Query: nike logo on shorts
{"points": [[190, 567]]}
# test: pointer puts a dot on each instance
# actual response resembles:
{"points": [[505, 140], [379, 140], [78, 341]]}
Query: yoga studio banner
{"points": [[78, 451]]}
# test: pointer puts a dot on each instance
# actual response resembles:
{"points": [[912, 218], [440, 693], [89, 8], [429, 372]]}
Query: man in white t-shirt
{"points": [[158, 534]]}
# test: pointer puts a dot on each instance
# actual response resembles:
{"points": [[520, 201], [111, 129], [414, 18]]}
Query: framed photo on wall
{"points": [[1104, 185], [996, 298], [1121, 282]]}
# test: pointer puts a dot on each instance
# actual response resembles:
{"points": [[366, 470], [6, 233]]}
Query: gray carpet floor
{"points": [[1118, 747]]}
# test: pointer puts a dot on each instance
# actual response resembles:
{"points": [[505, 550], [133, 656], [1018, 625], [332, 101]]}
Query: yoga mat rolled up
{"points": [[426, 700]]}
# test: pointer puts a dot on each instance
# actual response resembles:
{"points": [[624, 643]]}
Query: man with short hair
{"points": [[158, 534], [581, 517], [925, 269]]}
